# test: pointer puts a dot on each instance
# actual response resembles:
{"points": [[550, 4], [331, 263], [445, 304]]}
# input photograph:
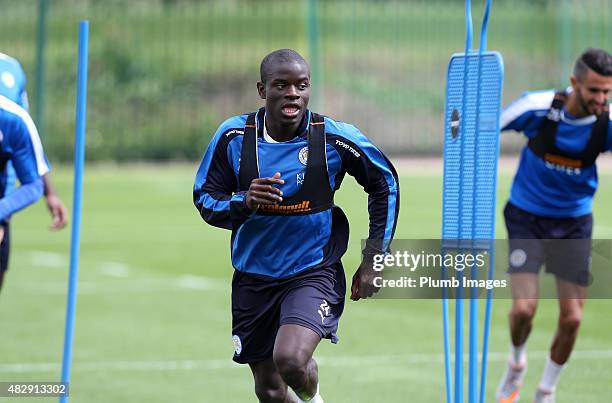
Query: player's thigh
{"points": [[524, 293], [571, 297], [296, 344], [524, 286]]}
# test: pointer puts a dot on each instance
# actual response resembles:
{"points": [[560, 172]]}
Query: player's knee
{"points": [[292, 365], [570, 323], [523, 312], [270, 394]]}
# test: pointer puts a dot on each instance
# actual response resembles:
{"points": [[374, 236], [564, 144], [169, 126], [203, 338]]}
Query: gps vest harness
{"points": [[544, 143], [315, 194]]}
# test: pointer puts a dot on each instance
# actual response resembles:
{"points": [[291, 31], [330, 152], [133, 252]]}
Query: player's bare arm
{"points": [[59, 213]]}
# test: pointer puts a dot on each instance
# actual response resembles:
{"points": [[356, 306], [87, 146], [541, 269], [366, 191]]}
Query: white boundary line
{"points": [[328, 361]]}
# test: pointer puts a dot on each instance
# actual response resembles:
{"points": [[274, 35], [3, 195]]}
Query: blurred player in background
{"points": [[270, 177], [20, 144], [552, 198], [12, 89]]}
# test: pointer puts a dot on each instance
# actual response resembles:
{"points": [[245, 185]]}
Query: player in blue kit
{"points": [[552, 198], [13, 87], [270, 178], [20, 144]]}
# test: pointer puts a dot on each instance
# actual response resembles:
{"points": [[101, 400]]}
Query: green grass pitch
{"points": [[153, 315]]}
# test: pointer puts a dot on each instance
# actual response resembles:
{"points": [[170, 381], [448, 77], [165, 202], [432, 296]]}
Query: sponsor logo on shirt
{"points": [[348, 148], [554, 115], [300, 178], [562, 164], [286, 209]]}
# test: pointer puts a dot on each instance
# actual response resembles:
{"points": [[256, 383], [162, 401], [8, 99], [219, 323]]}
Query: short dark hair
{"points": [[597, 60], [279, 56]]}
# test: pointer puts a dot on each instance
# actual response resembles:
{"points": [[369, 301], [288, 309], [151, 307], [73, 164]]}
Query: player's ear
{"points": [[261, 89], [574, 82]]}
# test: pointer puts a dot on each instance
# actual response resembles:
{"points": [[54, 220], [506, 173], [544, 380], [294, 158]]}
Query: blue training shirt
{"points": [[13, 87], [543, 188], [21, 145], [281, 246]]}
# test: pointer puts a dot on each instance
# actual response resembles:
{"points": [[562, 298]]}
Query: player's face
{"points": [[286, 91], [592, 92]]}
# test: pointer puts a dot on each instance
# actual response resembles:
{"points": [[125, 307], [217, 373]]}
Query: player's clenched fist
{"points": [[363, 284], [262, 191]]}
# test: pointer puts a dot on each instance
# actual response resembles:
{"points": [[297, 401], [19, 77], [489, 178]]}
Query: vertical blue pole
{"points": [[79, 160], [446, 337], [473, 340], [487, 326], [459, 341], [460, 295]]}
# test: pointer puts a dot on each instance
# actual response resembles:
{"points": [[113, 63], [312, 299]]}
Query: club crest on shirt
{"points": [[303, 155]]}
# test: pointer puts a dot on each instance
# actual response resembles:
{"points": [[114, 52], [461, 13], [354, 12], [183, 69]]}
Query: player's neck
{"points": [[280, 132], [574, 107]]}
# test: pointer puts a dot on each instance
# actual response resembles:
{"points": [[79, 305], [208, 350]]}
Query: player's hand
{"points": [[262, 191], [59, 213], [1, 234], [363, 281]]}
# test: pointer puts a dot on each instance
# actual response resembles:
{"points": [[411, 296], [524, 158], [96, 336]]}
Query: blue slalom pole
{"points": [[459, 297], [445, 332], [485, 25], [487, 319], [487, 329], [473, 320], [79, 160]]}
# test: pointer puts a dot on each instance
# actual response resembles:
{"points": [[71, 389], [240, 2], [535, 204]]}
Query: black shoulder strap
{"points": [[599, 137], [316, 181], [317, 161], [544, 141], [316, 175], [249, 169]]}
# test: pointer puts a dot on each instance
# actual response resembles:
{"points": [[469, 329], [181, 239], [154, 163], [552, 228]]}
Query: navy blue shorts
{"points": [[313, 299], [563, 245], [5, 247]]}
